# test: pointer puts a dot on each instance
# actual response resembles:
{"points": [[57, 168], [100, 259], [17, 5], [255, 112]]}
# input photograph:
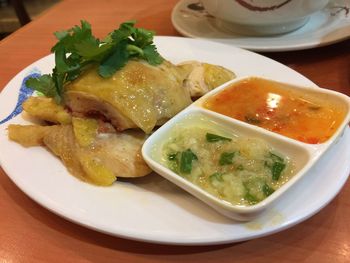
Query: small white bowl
{"points": [[303, 155]]}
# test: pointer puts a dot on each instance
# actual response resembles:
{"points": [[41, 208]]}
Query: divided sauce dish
{"points": [[234, 165]]}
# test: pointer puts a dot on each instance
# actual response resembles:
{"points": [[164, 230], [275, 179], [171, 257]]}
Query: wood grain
{"points": [[30, 233]]}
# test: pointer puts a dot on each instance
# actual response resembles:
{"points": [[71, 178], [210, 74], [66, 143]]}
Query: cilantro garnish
{"points": [[277, 169], [77, 49], [216, 177], [215, 138], [226, 158], [277, 166], [267, 190], [187, 157]]}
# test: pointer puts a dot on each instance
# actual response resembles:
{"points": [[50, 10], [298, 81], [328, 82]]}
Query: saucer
{"points": [[325, 27]]}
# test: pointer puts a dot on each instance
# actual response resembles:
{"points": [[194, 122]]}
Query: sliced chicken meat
{"points": [[138, 95]]}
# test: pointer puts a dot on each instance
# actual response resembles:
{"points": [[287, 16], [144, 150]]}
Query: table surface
{"points": [[30, 233]]}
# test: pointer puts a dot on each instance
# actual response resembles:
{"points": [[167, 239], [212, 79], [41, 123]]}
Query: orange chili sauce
{"points": [[267, 104]]}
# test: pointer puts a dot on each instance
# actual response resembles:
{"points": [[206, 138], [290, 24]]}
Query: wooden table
{"points": [[30, 233]]}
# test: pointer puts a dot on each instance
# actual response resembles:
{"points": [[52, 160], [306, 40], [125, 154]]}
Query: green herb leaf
{"points": [[276, 170], [151, 55], [226, 158], [142, 37], [45, 85], [92, 50], [254, 188], [276, 157], [77, 49], [125, 30], [69, 38], [187, 157], [251, 198], [115, 61], [216, 177], [267, 190], [215, 138]]}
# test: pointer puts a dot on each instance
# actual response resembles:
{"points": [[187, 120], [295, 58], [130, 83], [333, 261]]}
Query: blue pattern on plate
{"points": [[24, 93]]}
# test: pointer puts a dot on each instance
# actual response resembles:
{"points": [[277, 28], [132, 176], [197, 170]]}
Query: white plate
{"points": [[150, 208], [326, 27]]}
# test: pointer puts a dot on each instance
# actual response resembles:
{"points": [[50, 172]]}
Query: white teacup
{"points": [[262, 17]]}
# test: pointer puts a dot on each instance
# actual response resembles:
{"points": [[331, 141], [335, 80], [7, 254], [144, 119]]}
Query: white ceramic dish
{"points": [[265, 17], [152, 209], [326, 27], [303, 155]]}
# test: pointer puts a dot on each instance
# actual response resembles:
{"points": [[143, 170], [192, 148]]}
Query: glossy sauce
{"points": [[288, 112]]}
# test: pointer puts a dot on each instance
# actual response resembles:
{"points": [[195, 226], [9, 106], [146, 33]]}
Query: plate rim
{"points": [[153, 239]]}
